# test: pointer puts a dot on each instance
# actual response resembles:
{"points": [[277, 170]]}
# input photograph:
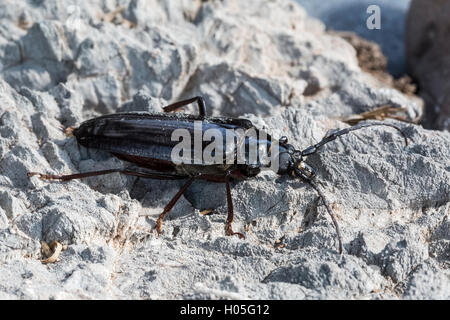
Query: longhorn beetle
{"points": [[145, 140]]}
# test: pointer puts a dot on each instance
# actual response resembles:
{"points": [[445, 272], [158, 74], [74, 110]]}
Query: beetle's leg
{"points": [[313, 149], [228, 229], [71, 176], [148, 175], [169, 206], [179, 104]]}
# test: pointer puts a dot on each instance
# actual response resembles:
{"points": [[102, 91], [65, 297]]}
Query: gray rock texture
{"points": [[266, 61]]}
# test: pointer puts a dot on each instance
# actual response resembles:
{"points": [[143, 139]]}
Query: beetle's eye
{"points": [[283, 140]]}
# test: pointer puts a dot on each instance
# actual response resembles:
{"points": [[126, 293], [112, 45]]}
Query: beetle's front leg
{"points": [[228, 229]]}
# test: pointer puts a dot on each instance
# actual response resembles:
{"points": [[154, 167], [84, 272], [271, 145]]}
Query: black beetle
{"points": [[145, 140]]}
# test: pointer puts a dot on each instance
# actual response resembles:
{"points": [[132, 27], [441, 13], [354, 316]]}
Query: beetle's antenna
{"points": [[330, 212], [313, 149]]}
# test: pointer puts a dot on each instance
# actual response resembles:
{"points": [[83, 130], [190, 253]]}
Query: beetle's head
{"points": [[291, 162]]}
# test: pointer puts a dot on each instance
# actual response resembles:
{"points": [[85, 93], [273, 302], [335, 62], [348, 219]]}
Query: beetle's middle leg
{"points": [[169, 206]]}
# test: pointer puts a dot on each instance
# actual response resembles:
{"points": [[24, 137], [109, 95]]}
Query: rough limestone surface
{"points": [[63, 62]]}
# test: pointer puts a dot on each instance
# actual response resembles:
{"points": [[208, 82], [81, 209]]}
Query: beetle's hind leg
{"points": [[148, 175], [179, 104], [228, 229]]}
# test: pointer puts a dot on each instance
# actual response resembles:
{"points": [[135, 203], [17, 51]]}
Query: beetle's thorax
{"points": [[291, 162]]}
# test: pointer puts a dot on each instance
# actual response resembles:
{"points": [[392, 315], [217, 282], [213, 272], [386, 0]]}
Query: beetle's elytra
{"points": [[146, 140]]}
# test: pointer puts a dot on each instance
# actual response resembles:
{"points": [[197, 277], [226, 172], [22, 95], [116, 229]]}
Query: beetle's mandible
{"points": [[144, 139]]}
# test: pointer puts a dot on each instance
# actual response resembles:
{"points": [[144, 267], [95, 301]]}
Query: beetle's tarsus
{"points": [[158, 224], [229, 231], [69, 131], [32, 174], [42, 176]]}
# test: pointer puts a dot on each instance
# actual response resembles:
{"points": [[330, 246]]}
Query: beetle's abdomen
{"points": [[150, 135]]}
